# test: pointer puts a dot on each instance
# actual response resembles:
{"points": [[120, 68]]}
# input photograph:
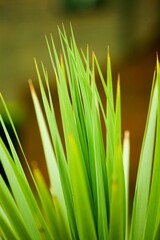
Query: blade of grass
{"points": [[67, 112], [118, 205], [153, 218], [110, 125], [58, 227], [15, 132], [139, 212], [79, 180], [157, 233], [16, 180], [28, 192], [83, 211], [12, 148], [78, 83], [15, 156], [53, 171], [126, 155], [61, 77], [13, 215], [100, 167], [61, 159], [12, 124], [109, 119], [6, 229]]}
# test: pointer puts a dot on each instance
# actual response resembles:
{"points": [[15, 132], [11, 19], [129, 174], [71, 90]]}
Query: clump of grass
{"points": [[88, 194]]}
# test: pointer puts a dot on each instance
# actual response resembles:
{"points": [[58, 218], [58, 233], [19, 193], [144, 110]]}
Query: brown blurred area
{"points": [[130, 28]]}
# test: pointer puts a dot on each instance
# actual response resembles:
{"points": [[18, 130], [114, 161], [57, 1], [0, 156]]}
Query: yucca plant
{"points": [[88, 196]]}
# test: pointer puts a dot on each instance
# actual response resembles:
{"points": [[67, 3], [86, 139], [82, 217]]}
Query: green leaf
{"points": [[118, 206], [11, 220], [110, 125], [6, 228], [49, 153], [12, 148], [153, 217], [62, 159], [13, 127], [82, 205], [16, 182], [51, 212], [23, 182], [100, 171], [144, 170], [126, 157]]}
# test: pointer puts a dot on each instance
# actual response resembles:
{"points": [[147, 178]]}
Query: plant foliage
{"points": [[89, 180]]}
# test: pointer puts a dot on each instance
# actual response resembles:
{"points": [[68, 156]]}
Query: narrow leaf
{"points": [[144, 171]]}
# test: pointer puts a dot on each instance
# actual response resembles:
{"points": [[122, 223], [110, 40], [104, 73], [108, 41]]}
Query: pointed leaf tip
{"points": [[31, 86], [157, 56], [118, 85], [126, 134], [157, 62], [108, 56]]}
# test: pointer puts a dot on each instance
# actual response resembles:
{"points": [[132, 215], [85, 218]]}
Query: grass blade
{"points": [[59, 151], [153, 217], [8, 232], [52, 214], [83, 211], [49, 154], [12, 214], [100, 171], [144, 171], [15, 181], [117, 208], [126, 154], [110, 125]]}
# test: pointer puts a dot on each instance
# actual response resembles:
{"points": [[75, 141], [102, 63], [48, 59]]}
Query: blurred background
{"points": [[131, 28]]}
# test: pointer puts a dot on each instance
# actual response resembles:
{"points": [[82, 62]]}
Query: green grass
{"points": [[88, 196]]}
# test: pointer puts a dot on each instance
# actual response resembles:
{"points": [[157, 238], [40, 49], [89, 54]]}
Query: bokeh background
{"points": [[131, 28]]}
